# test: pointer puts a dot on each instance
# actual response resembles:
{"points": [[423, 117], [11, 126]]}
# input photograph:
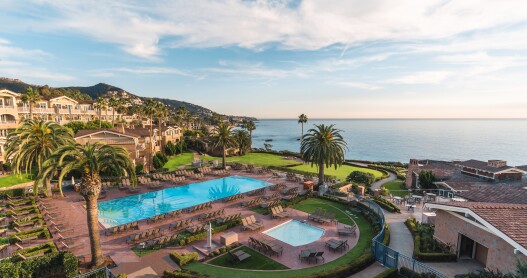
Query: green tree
{"points": [[427, 179], [222, 137], [323, 146], [360, 177], [31, 97], [90, 160], [302, 119], [162, 114], [249, 126], [242, 140], [32, 143], [101, 104], [114, 103], [149, 109]]}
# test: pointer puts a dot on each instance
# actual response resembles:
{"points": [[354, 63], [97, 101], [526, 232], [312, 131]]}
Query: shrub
{"points": [[159, 160], [183, 259], [56, 264], [423, 234], [361, 177], [182, 273], [406, 272], [122, 275], [345, 270], [42, 232], [390, 273], [139, 169], [385, 204], [18, 192]]}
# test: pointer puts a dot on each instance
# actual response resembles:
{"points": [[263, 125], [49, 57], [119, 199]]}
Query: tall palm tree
{"points": [[114, 103], [101, 104], [242, 140], [182, 114], [222, 137], [149, 109], [31, 97], [90, 160], [250, 126], [32, 143], [325, 147], [302, 119], [162, 113]]}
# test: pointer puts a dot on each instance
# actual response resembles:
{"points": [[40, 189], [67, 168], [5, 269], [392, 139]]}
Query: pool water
{"points": [[133, 208], [295, 233]]}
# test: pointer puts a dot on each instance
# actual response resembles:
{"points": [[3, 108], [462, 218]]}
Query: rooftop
{"points": [[497, 194], [482, 165]]}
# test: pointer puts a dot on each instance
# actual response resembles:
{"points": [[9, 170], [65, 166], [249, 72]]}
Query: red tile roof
{"points": [[510, 219], [497, 194]]}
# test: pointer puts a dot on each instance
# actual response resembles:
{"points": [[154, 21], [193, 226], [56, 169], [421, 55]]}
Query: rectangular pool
{"points": [[295, 233], [133, 208]]}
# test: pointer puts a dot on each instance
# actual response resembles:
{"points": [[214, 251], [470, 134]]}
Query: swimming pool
{"points": [[295, 233], [133, 208]]}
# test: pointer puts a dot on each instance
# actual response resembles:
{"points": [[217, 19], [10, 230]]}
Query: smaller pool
{"points": [[295, 233]]}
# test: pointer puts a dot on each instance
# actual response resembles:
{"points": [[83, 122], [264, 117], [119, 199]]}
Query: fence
{"points": [[97, 273], [390, 258]]}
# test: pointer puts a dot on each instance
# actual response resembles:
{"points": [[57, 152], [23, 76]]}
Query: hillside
{"points": [[105, 90]]}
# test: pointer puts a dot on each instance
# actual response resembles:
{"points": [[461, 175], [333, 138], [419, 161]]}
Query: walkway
{"points": [[378, 184]]}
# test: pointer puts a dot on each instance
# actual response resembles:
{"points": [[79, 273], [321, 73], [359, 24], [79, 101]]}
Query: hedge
{"points": [[411, 224], [183, 259], [17, 192], [42, 248], [182, 273], [300, 172], [56, 264], [389, 273], [191, 238], [406, 272], [345, 270], [41, 232], [385, 204]]}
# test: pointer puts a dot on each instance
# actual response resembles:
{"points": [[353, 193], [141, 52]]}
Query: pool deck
{"points": [[115, 246]]}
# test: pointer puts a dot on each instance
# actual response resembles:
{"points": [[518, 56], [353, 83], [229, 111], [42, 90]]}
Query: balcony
{"points": [[36, 110], [8, 124]]}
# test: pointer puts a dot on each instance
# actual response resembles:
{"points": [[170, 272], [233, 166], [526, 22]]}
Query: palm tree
{"points": [[222, 137], [323, 146], [149, 110], [182, 114], [114, 103], [302, 119], [101, 104], [250, 126], [31, 97], [91, 160], [32, 143], [242, 140], [162, 112]]}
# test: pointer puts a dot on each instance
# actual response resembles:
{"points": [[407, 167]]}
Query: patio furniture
{"points": [[410, 207], [239, 256], [229, 238], [335, 245], [347, 230], [279, 212], [319, 255], [307, 255]]}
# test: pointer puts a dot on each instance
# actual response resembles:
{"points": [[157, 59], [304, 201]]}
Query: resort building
{"points": [[493, 170], [8, 117], [492, 234]]}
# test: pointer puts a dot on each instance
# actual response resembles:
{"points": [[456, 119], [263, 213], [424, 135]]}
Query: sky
{"points": [[278, 59]]}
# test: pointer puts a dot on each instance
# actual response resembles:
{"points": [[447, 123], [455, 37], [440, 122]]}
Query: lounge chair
{"points": [[239, 256], [335, 245], [347, 230], [307, 255]]}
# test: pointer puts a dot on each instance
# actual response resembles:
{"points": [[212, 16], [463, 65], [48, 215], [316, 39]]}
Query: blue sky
{"points": [[278, 59]]}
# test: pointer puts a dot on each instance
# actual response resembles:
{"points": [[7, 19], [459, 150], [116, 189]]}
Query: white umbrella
{"points": [[72, 180]]}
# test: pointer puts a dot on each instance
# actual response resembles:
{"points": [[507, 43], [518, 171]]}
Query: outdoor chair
{"points": [[239, 256], [306, 255]]}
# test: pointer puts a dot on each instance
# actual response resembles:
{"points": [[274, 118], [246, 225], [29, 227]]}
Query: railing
{"points": [[391, 258], [103, 272]]}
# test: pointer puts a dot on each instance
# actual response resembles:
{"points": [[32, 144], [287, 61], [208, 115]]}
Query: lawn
{"points": [[260, 159], [179, 160], [396, 188], [362, 247], [341, 173], [256, 261], [14, 179]]}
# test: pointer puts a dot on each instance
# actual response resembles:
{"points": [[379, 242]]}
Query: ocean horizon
{"points": [[402, 139]]}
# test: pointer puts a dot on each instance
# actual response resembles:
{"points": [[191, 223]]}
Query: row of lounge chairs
{"points": [[210, 215], [270, 204], [266, 246], [233, 198], [256, 192], [335, 244], [239, 256], [252, 203], [180, 224], [152, 233], [290, 197], [322, 216], [203, 206], [197, 229], [221, 220], [198, 176], [250, 223], [289, 191], [184, 173], [159, 242], [164, 216], [221, 173], [279, 212], [122, 228], [272, 196], [277, 186], [310, 255]]}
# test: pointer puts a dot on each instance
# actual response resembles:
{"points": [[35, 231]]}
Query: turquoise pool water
{"points": [[295, 233], [133, 208]]}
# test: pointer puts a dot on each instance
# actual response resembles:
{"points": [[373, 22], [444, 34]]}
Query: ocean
{"points": [[402, 139]]}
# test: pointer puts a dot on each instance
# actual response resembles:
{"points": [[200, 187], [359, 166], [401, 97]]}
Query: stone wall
{"points": [[500, 255]]}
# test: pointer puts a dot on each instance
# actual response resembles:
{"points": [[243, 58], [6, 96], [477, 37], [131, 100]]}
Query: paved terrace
{"points": [[127, 261]]}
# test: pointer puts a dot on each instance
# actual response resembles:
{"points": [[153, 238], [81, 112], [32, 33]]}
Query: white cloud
{"points": [[358, 85], [144, 29], [25, 71], [7, 50], [424, 77]]}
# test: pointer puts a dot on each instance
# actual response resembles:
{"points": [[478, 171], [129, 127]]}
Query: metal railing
{"points": [[102, 272]]}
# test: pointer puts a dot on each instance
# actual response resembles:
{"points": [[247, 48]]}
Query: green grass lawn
{"points": [[181, 159], [256, 261], [341, 173], [260, 159], [14, 179], [396, 188], [362, 247]]}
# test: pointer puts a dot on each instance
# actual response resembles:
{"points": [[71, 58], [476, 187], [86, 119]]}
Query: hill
{"points": [[105, 90]]}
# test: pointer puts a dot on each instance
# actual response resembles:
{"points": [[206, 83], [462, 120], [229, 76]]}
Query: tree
{"points": [[302, 119], [323, 146], [31, 97], [250, 126], [101, 104], [32, 143], [90, 160], [114, 103], [149, 109], [242, 140], [427, 179], [181, 113], [360, 177], [161, 112], [222, 137]]}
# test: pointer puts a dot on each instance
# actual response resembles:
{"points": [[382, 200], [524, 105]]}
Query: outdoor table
{"points": [[410, 207], [397, 199], [431, 196]]}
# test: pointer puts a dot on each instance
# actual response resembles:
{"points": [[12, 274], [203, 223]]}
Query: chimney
{"points": [[497, 163]]}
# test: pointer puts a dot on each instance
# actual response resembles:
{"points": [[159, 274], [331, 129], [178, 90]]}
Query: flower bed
{"points": [[426, 248], [385, 204]]}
